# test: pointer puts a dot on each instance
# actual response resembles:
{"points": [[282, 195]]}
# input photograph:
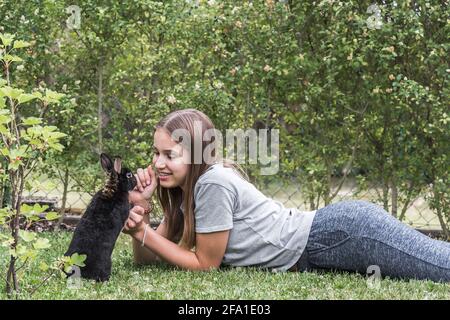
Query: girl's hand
{"points": [[146, 185], [135, 222]]}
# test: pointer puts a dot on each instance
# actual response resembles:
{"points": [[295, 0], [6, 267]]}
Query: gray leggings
{"points": [[353, 235]]}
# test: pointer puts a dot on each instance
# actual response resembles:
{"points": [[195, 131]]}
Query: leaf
{"points": [[25, 97], [56, 146], [27, 236], [43, 266], [21, 250], [12, 58], [14, 165], [5, 212], [35, 142], [7, 39], [33, 218], [57, 135], [11, 92], [42, 243], [52, 216], [78, 259], [30, 121], [14, 154], [67, 268], [37, 94], [4, 130], [25, 208], [5, 152], [4, 119], [32, 212], [21, 44], [37, 208], [28, 254], [52, 96]]}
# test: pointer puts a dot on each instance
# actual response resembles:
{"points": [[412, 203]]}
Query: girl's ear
{"points": [[118, 164], [106, 162]]}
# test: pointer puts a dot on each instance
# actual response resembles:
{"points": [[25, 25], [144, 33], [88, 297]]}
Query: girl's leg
{"points": [[353, 235]]}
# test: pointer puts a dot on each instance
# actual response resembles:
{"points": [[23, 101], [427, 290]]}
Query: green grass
{"points": [[166, 282]]}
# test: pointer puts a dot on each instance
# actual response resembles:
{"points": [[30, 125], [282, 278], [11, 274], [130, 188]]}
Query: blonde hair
{"points": [[181, 228]]}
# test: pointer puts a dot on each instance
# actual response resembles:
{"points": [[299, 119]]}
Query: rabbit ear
{"points": [[106, 162], [118, 164]]}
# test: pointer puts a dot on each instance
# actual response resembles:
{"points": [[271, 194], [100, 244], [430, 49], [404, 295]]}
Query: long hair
{"points": [[181, 227]]}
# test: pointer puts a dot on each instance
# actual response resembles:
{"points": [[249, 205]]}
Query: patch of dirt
{"points": [[44, 226]]}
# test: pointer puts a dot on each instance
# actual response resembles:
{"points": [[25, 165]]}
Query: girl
{"points": [[214, 217]]}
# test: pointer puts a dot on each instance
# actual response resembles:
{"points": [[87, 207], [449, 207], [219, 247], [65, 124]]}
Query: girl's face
{"points": [[170, 160]]}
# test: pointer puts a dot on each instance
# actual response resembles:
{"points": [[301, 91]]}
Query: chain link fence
{"points": [[418, 214]]}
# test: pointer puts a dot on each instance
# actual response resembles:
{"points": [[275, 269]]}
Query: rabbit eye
{"points": [[129, 175]]}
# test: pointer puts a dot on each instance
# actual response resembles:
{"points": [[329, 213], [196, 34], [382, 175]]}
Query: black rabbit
{"points": [[104, 219]]}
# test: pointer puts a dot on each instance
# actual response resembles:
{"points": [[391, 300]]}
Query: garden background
{"points": [[358, 89]]}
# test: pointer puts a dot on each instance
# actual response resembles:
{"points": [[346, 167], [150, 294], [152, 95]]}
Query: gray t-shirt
{"points": [[263, 233]]}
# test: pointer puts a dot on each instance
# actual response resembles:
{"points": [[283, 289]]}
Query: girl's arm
{"points": [[142, 255], [210, 249]]}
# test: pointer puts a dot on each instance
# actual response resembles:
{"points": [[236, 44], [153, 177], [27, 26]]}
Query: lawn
{"points": [[165, 282]]}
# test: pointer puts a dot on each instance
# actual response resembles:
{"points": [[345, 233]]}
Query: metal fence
{"points": [[418, 213]]}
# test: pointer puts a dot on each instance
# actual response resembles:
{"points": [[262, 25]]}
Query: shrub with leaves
{"points": [[24, 142]]}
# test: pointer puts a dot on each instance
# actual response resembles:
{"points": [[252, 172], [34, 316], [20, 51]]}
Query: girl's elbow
{"points": [[208, 266]]}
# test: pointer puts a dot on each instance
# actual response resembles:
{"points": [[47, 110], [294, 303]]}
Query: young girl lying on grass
{"points": [[213, 217]]}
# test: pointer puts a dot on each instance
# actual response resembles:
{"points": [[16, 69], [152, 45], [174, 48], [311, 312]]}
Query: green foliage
{"points": [[23, 141], [78, 260], [349, 98]]}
